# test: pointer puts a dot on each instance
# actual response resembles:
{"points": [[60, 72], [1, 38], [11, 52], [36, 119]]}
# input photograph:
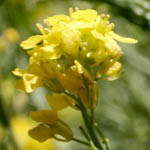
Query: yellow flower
{"points": [[30, 81], [50, 127], [38, 75], [71, 54], [83, 35]]}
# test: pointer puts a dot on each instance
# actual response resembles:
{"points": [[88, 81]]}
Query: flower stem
{"points": [[84, 133], [89, 126], [105, 140], [87, 121], [80, 141]]}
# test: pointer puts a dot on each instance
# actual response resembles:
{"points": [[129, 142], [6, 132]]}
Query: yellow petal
{"points": [[18, 72], [114, 77], [51, 21], [54, 37], [62, 129], [114, 69], [45, 116], [113, 48], [122, 39], [82, 26], [31, 42], [70, 80], [31, 82], [71, 41], [82, 71], [59, 101], [50, 52], [98, 35], [41, 133], [87, 15]]}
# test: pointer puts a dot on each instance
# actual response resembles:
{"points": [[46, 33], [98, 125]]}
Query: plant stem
{"points": [[80, 141], [89, 126], [105, 140], [87, 121], [84, 133]]}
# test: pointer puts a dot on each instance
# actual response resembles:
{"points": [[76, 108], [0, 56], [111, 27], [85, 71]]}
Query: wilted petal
{"points": [[62, 129], [41, 133], [45, 116], [70, 80], [59, 101]]}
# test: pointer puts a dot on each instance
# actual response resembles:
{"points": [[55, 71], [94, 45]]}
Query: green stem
{"points": [[80, 141], [105, 140], [84, 133], [87, 121], [89, 126]]}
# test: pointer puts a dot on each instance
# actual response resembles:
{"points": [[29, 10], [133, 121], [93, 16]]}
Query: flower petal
{"points": [[31, 42], [82, 71], [31, 82], [114, 69], [45, 116], [41, 133], [87, 15], [98, 35], [59, 101], [71, 41], [18, 72], [122, 39], [62, 129], [82, 26], [50, 52], [51, 21], [70, 80]]}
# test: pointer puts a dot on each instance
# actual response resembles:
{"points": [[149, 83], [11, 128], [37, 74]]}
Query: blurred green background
{"points": [[123, 111]]}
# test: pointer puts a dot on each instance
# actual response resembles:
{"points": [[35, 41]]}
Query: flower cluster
{"points": [[69, 56]]}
